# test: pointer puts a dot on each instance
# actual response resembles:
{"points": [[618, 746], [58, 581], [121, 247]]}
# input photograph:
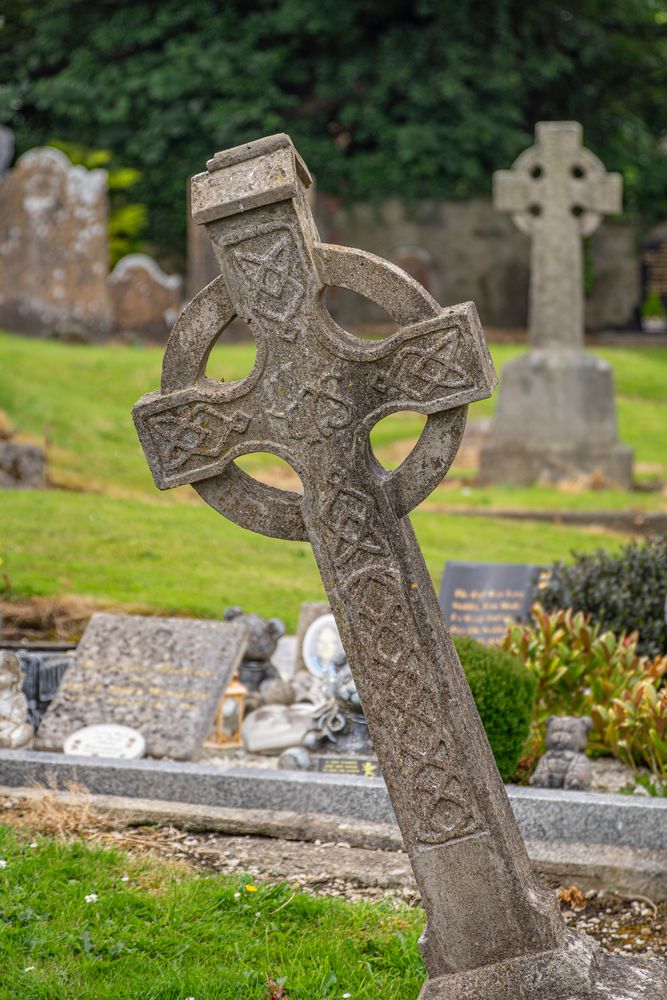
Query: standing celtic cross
{"points": [[312, 398], [557, 192]]}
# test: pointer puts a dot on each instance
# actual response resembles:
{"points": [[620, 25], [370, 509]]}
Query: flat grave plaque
{"points": [[162, 676], [479, 599], [106, 741], [367, 767]]}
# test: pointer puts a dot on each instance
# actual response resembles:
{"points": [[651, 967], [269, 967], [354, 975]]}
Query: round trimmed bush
{"points": [[504, 692]]}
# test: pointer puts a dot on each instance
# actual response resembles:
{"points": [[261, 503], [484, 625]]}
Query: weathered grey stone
{"points": [[162, 676], [556, 416], [314, 393], [543, 815], [22, 466], [144, 299], [54, 246], [6, 147]]}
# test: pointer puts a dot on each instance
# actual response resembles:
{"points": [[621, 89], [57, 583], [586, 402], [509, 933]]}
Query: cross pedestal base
{"points": [[556, 422], [578, 971]]}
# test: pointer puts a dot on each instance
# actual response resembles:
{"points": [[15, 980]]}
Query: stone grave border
{"points": [[545, 815]]}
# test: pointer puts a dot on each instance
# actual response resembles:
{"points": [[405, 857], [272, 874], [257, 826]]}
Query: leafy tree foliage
{"points": [[420, 99]]}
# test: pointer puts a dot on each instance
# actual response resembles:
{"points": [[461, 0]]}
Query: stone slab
{"points": [[22, 466], [544, 815], [162, 676], [627, 871]]}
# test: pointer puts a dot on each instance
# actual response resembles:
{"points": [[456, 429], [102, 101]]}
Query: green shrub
{"points": [[652, 307], [634, 725], [581, 670], [127, 219], [624, 592], [504, 692], [384, 99]]}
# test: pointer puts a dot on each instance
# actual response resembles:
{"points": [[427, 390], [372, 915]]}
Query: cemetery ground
{"points": [[139, 915], [104, 532]]}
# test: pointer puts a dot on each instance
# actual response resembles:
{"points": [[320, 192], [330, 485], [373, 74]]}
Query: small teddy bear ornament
{"points": [[564, 764], [15, 732]]}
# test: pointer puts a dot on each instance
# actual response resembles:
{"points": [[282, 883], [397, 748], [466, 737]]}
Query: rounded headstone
{"points": [[106, 740], [6, 147]]}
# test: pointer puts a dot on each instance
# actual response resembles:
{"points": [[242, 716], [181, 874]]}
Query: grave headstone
{"points": [[492, 933], [479, 599], [54, 246], [654, 264], [162, 676], [6, 147], [145, 300], [556, 417]]}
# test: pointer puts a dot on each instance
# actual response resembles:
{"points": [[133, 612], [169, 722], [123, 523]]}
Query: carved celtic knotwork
{"points": [[349, 516], [423, 369], [311, 409], [269, 285], [191, 431], [406, 697], [312, 398]]}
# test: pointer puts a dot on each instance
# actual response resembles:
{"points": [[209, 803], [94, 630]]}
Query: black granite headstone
{"points": [[480, 599], [654, 267]]}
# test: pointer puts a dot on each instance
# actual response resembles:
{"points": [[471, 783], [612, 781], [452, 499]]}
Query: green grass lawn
{"points": [[81, 396], [155, 932], [187, 558], [128, 543]]}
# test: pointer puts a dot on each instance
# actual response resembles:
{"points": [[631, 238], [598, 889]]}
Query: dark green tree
{"points": [[422, 99]]}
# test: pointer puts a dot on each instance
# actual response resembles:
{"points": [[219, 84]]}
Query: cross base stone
{"points": [[578, 971], [556, 422]]}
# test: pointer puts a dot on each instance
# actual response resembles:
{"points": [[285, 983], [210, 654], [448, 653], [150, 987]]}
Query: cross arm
{"points": [[192, 434], [430, 366], [511, 191]]}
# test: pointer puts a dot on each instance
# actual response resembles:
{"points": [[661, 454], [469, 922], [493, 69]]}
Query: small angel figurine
{"points": [[15, 732]]}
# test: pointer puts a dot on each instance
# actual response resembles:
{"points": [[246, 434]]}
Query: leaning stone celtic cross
{"points": [[557, 192], [312, 398]]}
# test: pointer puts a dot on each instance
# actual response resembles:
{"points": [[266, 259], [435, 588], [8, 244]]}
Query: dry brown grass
{"points": [[55, 619], [48, 811]]}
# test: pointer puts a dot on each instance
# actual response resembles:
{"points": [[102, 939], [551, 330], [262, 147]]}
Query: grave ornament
{"points": [[565, 765], [556, 416], [15, 732], [312, 398]]}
